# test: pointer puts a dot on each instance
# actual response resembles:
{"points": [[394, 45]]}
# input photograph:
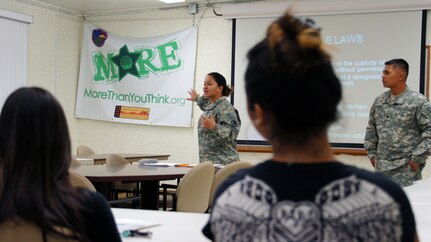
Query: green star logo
{"points": [[126, 62]]}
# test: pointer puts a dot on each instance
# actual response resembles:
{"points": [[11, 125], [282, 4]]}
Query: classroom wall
{"points": [[213, 54], [54, 50], [53, 58]]}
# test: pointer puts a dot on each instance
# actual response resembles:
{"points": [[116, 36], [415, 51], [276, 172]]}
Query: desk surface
{"points": [[419, 195], [129, 172], [174, 226], [101, 158]]}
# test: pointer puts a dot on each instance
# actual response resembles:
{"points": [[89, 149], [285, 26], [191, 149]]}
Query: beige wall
{"points": [[213, 54], [54, 43], [54, 50]]}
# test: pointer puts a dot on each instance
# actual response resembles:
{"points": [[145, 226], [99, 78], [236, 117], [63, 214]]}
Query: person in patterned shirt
{"points": [[302, 193]]}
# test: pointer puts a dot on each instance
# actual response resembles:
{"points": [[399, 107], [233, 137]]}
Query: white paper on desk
{"points": [[124, 224], [159, 164], [85, 161], [147, 161]]}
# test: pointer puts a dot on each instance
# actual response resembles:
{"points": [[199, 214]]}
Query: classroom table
{"points": [[172, 226], [148, 177], [131, 157], [419, 195]]}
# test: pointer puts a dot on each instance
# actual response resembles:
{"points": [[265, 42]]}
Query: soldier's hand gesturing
{"points": [[208, 123], [193, 94]]}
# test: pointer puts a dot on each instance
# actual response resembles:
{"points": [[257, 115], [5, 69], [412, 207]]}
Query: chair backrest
{"points": [[79, 180], [224, 173], [193, 191], [115, 160], [84, 150], [23, 232]]}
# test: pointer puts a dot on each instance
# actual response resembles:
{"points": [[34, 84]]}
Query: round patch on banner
{"points": [[99, 37]]}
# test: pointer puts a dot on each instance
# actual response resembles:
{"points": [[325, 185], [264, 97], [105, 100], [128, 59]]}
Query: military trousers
{"points": [[403, 175]]}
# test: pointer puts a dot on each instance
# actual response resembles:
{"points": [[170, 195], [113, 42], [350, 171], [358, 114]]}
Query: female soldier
{"points": [[219, 124]]}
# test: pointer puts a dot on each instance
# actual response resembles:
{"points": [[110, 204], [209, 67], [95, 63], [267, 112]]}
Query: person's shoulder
{"points": [[241, 174], [224, 102], [413, 99], [91, 198], [98, 216], [225, 106], [416, 96], [365, 174], [258, 170], [382, 97], [379, 180], [237, 176]]}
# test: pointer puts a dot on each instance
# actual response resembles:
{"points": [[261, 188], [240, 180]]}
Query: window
{"points": [[13, 49]]}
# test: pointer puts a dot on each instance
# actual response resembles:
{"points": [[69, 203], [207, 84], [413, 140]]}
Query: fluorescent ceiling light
{"points": [[172, 1]]}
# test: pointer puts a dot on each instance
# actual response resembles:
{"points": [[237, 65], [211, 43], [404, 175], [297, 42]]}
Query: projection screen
{"points": [[359, 45]]}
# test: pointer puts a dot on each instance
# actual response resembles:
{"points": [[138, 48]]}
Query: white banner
{"points": [[143, 81]]}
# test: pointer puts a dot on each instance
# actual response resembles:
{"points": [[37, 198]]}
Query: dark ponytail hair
{"points": [[291, 77], [221, 81]]}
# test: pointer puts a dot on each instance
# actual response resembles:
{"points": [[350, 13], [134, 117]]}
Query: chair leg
{"points": [[165, 194], [165, 198], [174, 202]]}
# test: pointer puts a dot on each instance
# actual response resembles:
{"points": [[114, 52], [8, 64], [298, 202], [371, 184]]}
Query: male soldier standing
{"points": [[398, 136]]}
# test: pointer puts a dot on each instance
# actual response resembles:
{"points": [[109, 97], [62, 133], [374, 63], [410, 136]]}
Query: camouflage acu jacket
{"points": [[218, 145], [399, 130]]}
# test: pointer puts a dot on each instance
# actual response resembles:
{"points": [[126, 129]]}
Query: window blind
{"points": [[13, 52]]}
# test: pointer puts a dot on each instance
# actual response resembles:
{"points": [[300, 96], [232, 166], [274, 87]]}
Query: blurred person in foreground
{"points": [[398, 135], [302, 193], [35, 188]]}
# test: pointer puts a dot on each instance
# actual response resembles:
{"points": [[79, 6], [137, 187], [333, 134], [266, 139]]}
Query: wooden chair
{"points": [[224, 173], [193, 190], [79, 180], [84, 150]]}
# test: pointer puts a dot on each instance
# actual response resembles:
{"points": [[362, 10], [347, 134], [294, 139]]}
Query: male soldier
{"points": [[398, 136]]}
